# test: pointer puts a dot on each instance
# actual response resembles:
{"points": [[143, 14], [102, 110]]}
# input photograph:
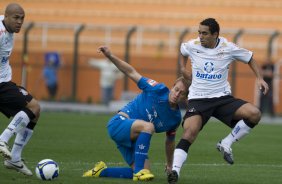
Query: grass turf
{"points": [[77, 141]]}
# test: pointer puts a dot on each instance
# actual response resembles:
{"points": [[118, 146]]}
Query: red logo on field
{"points": [[152, 82]]}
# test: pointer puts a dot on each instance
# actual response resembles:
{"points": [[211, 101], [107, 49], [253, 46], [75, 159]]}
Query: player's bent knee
{"points": [[190, 135], [34, 106], [149, 128], [255, 115]]}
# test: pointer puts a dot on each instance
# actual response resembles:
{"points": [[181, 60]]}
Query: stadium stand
{"points": [[155, 42]]}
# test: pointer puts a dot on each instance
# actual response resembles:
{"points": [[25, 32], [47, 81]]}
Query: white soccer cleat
{"points": [[226, 152], [4, 150], [18, 166]]}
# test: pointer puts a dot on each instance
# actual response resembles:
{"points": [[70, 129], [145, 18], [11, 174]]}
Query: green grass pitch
{"points": [[77, 141]]}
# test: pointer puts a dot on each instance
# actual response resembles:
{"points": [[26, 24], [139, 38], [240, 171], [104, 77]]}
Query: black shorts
{"points": [[13, 98], [222, 108]]}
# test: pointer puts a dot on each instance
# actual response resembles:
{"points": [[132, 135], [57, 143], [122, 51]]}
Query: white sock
{"points": [[179, 158], [238, 132], [19, 121], [21, 140]]}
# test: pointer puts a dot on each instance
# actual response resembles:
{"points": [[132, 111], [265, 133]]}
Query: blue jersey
{"points": [[50, 75], [152, 105]]}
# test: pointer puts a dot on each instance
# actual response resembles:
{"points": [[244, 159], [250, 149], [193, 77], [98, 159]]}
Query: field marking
{"points": [[117, 164]]}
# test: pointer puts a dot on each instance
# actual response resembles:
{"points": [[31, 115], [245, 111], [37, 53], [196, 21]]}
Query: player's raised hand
{"points": [[105, 50]]}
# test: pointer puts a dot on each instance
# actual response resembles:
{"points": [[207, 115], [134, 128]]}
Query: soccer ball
{"points": [[47, 169]]}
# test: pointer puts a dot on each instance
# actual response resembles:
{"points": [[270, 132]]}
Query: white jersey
{"points": [[6, 46], [210, 67], [109, 72]]}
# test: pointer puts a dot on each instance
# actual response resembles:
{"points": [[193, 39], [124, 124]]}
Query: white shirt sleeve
{"points": [[241, 54], [184, 49]]}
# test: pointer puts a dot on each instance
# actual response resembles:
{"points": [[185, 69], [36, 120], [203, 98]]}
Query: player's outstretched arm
{"points": [[186, 74], [261, 83], [169, 149], [123, 66]]}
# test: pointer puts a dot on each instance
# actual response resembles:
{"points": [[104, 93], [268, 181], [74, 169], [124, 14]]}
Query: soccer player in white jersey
{"points": [[210, 93], [15, 101]]}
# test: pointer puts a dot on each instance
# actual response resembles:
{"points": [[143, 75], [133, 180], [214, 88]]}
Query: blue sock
{"points": [[117, 172], [141, 150]]}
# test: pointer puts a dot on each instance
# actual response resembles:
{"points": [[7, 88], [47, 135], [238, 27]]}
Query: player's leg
{"points": [[248, 116], [119, 128], [102, 170], [192, 126], [197, 115], [26, 112], [14, 101], [22, 138], [141, 132]]}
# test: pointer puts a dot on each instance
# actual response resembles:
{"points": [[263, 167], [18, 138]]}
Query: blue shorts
{"points": [[119, 128]]}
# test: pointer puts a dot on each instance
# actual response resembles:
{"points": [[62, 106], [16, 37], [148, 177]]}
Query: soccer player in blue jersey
{"points": [[154, 110]]}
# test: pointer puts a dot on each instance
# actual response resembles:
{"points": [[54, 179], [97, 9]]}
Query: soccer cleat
{"points": [[172, 177], [18, 166], [226, 152], [143, 175], [96, 171], [4, 150]]}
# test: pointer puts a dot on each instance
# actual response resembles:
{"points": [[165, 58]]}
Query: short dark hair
{"points": [[212, 24]]}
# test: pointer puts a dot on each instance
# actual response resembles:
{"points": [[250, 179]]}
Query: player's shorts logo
{"points": [[24, 92]]}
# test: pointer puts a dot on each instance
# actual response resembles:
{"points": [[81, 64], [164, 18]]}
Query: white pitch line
{"points": [[115, 164]]}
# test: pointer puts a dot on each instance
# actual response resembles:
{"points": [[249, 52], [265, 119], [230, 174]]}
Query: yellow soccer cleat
{"points": [[96, 171], [143, 175]]}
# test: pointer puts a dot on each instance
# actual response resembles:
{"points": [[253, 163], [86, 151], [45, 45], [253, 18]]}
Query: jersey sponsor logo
{"points": [[152, 82], [152, 116], [208, 76], [209, 67]]}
